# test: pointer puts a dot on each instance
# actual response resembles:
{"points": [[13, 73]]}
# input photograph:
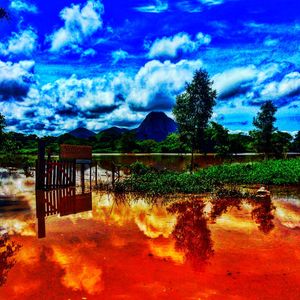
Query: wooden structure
{"points": [[59, 201], [71, 152], [52, 174]]}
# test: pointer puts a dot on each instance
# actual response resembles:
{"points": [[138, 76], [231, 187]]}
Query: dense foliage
{"points": [[271, 172]]}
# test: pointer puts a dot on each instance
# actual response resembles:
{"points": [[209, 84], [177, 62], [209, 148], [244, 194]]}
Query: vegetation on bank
{"points": [[269, 172]]}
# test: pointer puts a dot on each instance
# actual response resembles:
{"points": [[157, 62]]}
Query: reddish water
{"points": [[192, 248]]}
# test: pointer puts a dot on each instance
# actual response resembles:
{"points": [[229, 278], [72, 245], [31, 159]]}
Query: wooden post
{"points": [[82, 177], [40, 212], [74, 174], [96, 173], [91, 165], [40, 171]]}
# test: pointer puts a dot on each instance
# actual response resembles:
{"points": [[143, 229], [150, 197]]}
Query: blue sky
{"points": [[97, 64]]}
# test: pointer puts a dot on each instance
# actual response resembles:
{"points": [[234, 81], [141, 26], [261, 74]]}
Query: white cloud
{"points": [[171, 46], [119, 55], [80, 95], [158, 7], [197, 6], [22, 6], [156, 85], [211, 2], [255, 84], [15, 79], [23, 43], [232, 82], [288, 86], [269, 42], [81, 23], [123, 99], [89, 53]]}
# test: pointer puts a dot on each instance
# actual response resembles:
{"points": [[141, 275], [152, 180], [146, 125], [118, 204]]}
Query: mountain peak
{"points": [[82, 133], [156, 126]]}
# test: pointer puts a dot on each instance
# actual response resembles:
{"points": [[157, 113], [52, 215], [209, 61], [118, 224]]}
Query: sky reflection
{"points": [[140, 249]]}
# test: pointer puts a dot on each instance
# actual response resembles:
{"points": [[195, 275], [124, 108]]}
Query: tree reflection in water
{"points": [[262, 211], [8, 250], [191, 232], [220, 206]]}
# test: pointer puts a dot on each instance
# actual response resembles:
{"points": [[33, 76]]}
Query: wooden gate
{"points": [[59, 201], [56, 174], [59, 174]]}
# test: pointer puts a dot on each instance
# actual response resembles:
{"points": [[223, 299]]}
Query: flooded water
{"points": [[66, 244]]}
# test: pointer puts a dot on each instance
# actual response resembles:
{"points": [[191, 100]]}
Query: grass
{"points": [[271, 172]]}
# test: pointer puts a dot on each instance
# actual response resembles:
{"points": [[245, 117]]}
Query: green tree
{"points": [[147, 146], [264, 122], [281, 143], [172, 144], [127, 142], [240, 143], [193, 110], [220, 138], [296, 142]]}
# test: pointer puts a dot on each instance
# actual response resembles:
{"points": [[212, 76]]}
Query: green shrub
{"points": [[271, 172]]}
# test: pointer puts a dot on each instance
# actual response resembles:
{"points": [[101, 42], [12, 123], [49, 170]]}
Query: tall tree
{"points": [[264, 122], [193, 110]]}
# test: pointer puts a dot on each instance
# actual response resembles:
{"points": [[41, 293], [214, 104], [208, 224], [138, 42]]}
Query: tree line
{"points": [[194, 108]]}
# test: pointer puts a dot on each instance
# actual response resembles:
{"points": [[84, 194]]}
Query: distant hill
{"points": [[111, 133], [82, 133], [156, 126]]}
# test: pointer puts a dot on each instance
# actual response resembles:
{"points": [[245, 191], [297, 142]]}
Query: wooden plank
{"points": [[75, 152]]}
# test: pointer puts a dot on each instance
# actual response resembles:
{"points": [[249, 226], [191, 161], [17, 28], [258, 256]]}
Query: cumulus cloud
{"points": [[279, 82], [234, 81], [89, 97], [113, 99], [80, 24], [289, 86], [119, 55], [123, 98], [156, 85], [15, 79], [158, 6], [24, 44], [22, 6], [179, 43]]}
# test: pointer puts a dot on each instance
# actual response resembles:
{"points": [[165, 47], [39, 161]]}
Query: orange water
{"points": [[192, 248]]}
